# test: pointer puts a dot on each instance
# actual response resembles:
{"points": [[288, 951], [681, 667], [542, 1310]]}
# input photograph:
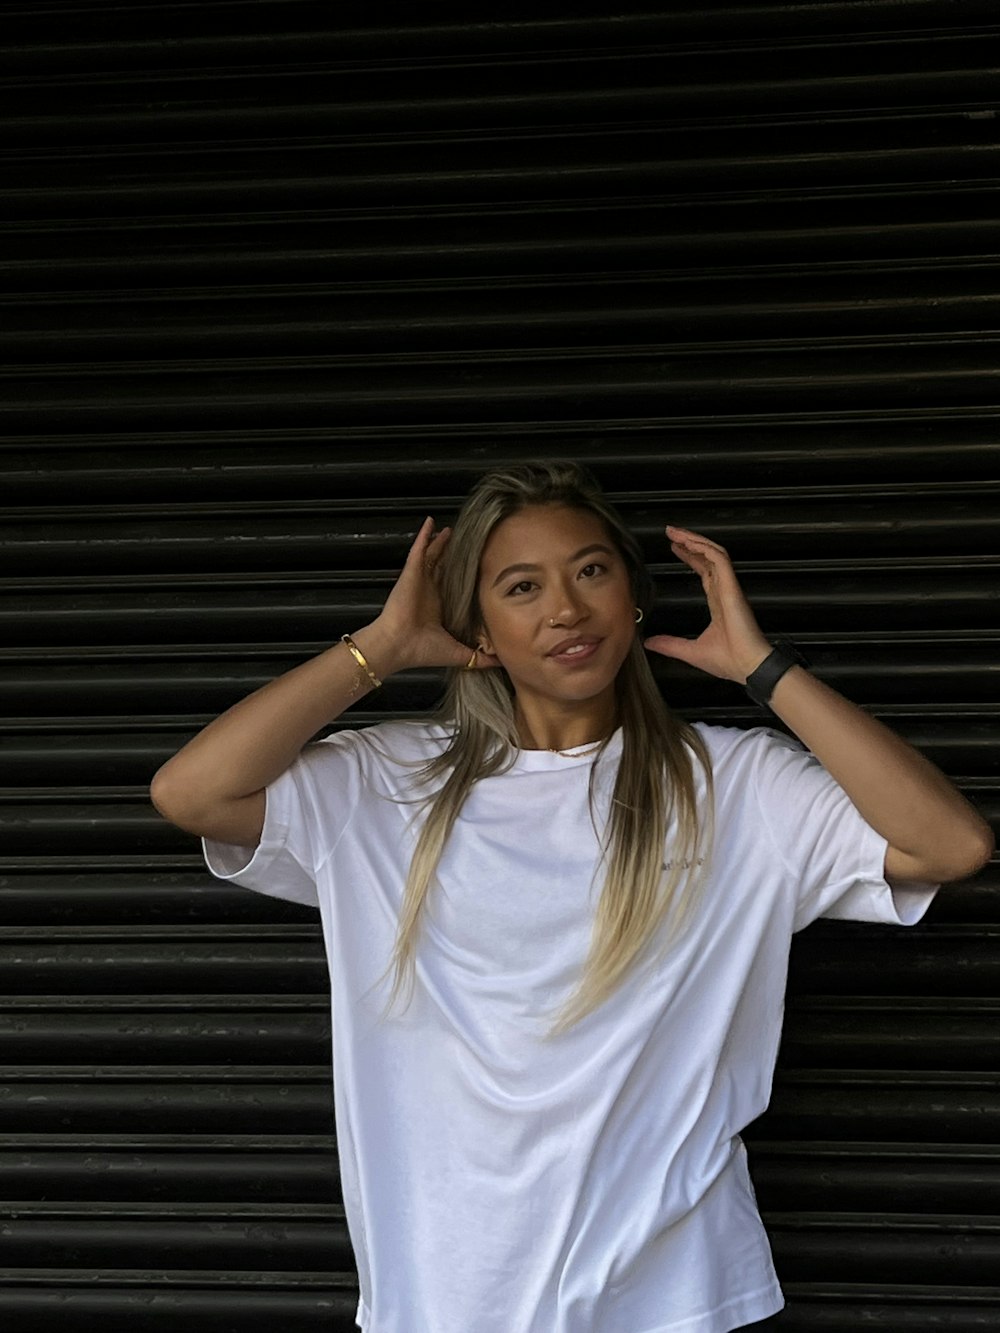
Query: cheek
{"points": [[510, 629], [499, 626]]}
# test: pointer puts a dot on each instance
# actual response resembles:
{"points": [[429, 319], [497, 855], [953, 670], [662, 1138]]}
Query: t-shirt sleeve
{"points": [[308, 807], [835, 858]]}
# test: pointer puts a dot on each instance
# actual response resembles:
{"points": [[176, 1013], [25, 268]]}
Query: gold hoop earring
{"points": [[638, 615]]}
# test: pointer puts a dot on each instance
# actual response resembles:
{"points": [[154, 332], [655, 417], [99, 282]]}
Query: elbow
{"points": [[161, 795], [986, 848], [954, 855], [972, 851], [167, 796]]}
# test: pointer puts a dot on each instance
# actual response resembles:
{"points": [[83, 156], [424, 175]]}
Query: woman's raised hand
{"points": [[411, 617], [732, 646], [215, 785]]}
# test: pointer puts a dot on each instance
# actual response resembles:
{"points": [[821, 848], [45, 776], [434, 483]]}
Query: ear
{"points": [[482, 640]]}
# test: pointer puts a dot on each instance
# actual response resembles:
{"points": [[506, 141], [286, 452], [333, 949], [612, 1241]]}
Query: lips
{"points": [[580, 647]]}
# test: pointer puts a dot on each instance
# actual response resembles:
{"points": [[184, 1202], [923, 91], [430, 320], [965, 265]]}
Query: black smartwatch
{"points": [[782, 657]]}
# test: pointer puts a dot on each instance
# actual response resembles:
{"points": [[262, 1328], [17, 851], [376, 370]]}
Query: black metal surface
{"points": [[276, 280]]}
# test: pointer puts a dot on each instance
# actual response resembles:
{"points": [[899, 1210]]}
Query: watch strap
{"points": [[761, 682]]}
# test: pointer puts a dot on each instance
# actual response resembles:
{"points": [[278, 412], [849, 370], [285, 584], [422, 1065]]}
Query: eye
{"points": [[520, 588], [592, 570]]}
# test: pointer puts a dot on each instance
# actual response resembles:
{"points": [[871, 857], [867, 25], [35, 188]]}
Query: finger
{"points": [[418, 547], [436, 545], [669, 645], [694, 559], [684, 536], [709, 561]]}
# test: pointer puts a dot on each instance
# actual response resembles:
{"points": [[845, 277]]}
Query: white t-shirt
{"points": [[498, 1180]]}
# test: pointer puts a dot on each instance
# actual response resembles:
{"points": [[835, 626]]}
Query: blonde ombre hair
{"points": [[655, 784]]}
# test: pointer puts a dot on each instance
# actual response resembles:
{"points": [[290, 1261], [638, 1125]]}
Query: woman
{"points": [[558, 918]]}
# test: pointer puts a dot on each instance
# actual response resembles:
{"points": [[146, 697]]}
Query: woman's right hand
{"points": [[215, 785], [408, 628]]}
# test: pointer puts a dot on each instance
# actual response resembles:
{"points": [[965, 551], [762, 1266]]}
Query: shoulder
{"points": [[738, 743], [354, 764], [386, 745], [739, 755]]}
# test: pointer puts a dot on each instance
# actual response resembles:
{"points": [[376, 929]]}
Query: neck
{"points": [[564, 728]]}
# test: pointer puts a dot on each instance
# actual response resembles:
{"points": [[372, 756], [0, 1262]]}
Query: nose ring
{"points": [[552, 623]]}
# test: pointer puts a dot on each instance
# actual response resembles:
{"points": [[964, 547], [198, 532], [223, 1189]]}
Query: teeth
{"points": [[577, 648]]}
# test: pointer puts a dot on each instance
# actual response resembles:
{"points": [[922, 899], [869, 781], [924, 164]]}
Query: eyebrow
{"points": [[530, 569]]}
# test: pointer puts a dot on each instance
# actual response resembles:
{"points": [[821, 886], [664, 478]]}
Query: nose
{"points": [[567, 608]]}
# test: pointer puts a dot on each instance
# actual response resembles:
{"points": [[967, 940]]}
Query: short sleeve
{"points": [[308, 808], [835, 858]]}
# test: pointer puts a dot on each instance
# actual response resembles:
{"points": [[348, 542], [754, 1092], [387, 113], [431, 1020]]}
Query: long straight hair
{"points": [[655, 786]]}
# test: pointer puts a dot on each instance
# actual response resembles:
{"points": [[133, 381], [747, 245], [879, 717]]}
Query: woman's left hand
{"points": [[732, 646]]}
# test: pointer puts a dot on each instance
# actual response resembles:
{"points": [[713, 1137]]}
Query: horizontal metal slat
{"points": [[51, 896], [363, 175], [168, 1104], [54, 898], [108, 1031], [293, 30], [892, 1106], [120, 1301], [291, 26], [847, 1177], [898, 1034], [971, 901], [838, 1307], [182, 961], [192, 682], [576, 312], [317, 101], [929, 223], [310, 1237], [844, 958], [908, 596], [906, 1034], [964, 743], [663, 456], [184, 1175], [92, 826], [947, 1251], [626, 90], [510, 118], [104, 825], [960, 518], [422, 88], [595, 385]]}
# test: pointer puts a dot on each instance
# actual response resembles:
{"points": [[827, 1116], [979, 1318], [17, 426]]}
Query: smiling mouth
{"points": [[575, 650]]}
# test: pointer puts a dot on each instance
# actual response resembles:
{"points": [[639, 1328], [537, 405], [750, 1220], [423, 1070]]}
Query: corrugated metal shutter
{"points": [[281, 278]]}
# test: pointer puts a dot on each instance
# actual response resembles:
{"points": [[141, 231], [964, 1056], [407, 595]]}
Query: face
{"points": [[557, 605]]}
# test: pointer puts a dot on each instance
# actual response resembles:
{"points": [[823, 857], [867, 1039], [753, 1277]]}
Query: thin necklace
{"points": [[575, 754]]}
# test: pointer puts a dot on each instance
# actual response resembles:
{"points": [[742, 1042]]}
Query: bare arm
{"points": [[933, 832], [215, 785]]}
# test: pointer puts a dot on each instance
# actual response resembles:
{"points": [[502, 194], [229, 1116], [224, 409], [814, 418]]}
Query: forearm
{"points": [[935, 832], [256, 740]]}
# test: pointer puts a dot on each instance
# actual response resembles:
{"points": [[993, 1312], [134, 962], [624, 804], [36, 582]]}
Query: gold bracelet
{"points": [[360, 658]]}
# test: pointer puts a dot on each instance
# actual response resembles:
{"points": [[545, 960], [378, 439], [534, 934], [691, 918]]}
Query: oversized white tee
{"points": [[499, 1180]]}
